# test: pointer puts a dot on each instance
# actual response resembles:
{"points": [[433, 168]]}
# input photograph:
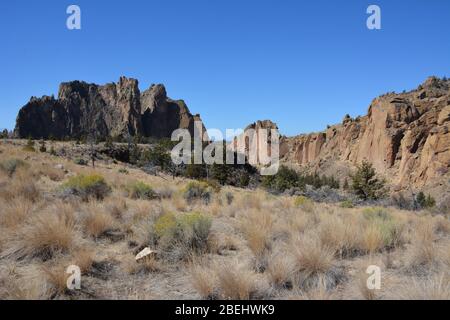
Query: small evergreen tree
{"points": [[346, 186], [159, 156], [196, 171], [244, 180], [52, 150], [109, 143], [421, 199], [365, 183], [424, 201], [4, 134], [430, 202], [135, 153], [43, 147]]}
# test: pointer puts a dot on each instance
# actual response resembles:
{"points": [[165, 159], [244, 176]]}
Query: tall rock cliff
{"points": [[405, 136], [115, 109]]}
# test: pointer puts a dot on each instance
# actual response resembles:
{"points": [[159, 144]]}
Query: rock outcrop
{"points": [[405, 136], [115, 109]]}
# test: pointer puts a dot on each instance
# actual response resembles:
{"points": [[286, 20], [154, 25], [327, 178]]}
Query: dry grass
{"points": [[260, 246], [318, 292], [235, 281], [280, 270], [149, 264], [57, 280], [97, 221], [15, 212], [341, 235], [435, 287], [311, 256], [204, 281], [257, 227], [20, 188], [83, 258], [425, 254], [45, 236], [116, 207]]}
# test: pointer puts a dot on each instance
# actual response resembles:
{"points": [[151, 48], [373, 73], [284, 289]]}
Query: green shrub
{"points": [[390, 230], [197, 190], [214, 185], [304, 203], [178, 235], [347, 204], [43, 147], [195, 171], [365, 183], [80, 162], [4, 134], [287, 178], [123, 171], [229, 197], [159, 155], [425, 202], [109, 143], [200, 226], [220, 172], [164, 224], [87, 186], [11, 165], [376, 213], [284, 179], [140, 190], [244, 180]]}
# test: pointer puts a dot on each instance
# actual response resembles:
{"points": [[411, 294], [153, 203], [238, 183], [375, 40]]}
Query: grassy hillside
{"points": [[210, 242]]}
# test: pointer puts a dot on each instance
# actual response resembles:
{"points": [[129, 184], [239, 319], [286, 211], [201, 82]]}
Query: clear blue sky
{"points": [[301, 64]]}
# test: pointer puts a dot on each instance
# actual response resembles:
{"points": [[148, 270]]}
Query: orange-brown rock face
{"points": [[405, 136], [256, 136]]}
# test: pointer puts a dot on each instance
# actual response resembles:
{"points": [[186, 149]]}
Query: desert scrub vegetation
{"points": [[180, 234], [87, 186], [198, 190], [97, 221], [314, 261], [80, 161], [11, 165], [425, 201], [287, 178], [347, 204], [257, 229], [381, 230], [141, 190], [305, 203], [44, 236], [240, 244]]}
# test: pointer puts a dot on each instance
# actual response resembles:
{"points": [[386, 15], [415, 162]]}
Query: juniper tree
{"points": [[365, 183]]}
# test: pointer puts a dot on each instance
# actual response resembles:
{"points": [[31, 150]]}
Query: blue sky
{"points": [[301, 64]]}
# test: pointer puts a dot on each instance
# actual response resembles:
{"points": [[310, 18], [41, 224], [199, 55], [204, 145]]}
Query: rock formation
{"points": [[405, 136], [115, 109]]}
